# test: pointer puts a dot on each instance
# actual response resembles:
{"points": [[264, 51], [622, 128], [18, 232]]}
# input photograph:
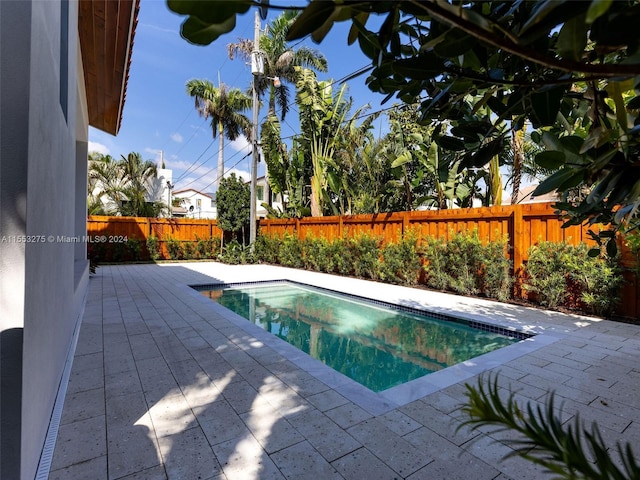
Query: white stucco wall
{"points": [[202, 207], [42, 172]]}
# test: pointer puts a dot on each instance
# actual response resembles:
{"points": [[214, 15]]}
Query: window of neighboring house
{"points": [[199, 202], [64, 57], [260, 193], [213, 203]]}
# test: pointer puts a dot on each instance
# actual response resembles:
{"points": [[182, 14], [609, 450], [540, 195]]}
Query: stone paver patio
{"points": [[166, 384]]}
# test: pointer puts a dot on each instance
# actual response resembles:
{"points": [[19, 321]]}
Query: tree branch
{"points": [[444, 13]]}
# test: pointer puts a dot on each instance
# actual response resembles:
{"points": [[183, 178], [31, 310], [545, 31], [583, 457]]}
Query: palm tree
{"points": [[280, 60], [103, 181], [223, 106], [136, 176]]}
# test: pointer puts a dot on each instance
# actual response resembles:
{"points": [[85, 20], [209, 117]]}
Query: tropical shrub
{"points": [[153, 247], [560, 274], [235, 254], [206, 247], [134, 246], [365, 255], [466, 266], [267, 248], [339, 257], [400, 262], [314, 254], [174, 247], [290, 252]]}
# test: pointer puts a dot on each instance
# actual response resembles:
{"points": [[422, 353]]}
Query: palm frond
{"points": [[570, 451]]}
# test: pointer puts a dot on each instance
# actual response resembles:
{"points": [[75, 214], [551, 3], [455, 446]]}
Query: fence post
{"points": [[340, 227]]}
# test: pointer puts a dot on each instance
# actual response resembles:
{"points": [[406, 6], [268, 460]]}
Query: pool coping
{"points": [[394, 397]]}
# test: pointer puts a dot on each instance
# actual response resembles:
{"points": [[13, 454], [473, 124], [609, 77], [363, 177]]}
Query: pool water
{"points": [[377, 346]]}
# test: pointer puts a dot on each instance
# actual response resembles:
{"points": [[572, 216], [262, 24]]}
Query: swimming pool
{"points": [[376, 344]]}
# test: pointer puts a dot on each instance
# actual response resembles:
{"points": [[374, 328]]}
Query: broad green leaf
{"points": [[546, 103], [634, 103], [312, 19], [550, 159], [597, 9], [615, 91], [540, 13], [359, 20], [210, 11], [572, 39], [496, 106], [554, 181], [450, 143], [455, 43], [612, 248], [203, 33], [402, 159], [484, 154], [421, 67]]}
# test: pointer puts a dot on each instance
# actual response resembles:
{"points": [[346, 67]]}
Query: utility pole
{"points": [[257, 69]]}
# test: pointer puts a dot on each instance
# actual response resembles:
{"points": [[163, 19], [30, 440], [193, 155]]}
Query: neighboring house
{"points": [[64, 66], [196, 204], [525, 196], [276, 199]]}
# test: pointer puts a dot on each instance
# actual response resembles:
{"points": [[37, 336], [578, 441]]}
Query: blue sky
{"points": [[160, 116]]}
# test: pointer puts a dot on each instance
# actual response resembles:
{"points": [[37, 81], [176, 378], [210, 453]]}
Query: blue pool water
{"points": [[375, 345]]}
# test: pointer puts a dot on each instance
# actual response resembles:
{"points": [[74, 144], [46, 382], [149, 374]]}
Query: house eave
{"points": [[106, 29]]}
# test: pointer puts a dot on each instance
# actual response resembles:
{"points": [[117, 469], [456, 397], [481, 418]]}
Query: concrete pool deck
{"points": [[166, 384]]}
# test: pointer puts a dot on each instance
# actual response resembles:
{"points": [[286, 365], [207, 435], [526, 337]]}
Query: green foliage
{"points": [[466, 266], [134, 246], [290, 253], [563, 275], [153, 247], [567, 449], [339, 258], [267, 248], [315, 254], [236, 254], [365, 255], [570, 69], [400, 262], [206, 248], [233, 200], [223, 106], [174, 247], [125, 185]]}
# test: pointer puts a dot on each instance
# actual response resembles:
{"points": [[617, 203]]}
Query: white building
{"points": [[276, 199], [195, 204], [64, 66]]}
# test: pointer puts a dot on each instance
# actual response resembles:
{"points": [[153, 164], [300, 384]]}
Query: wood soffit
{"points": [[106, 29]]}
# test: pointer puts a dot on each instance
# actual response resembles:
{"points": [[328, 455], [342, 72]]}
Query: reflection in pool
{"points": [[376, 346]]}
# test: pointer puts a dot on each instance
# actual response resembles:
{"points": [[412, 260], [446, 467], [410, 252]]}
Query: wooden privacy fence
{"points": [[183, 229], [526, 225]]}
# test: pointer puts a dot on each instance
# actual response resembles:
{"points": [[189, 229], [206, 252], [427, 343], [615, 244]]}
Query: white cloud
{"points": [[241, 144], [99, 148], [246, 176], [155, 152], [176, 137]]}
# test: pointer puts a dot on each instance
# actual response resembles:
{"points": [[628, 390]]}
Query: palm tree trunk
{"points": [[517, 143], [220, 171]]}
